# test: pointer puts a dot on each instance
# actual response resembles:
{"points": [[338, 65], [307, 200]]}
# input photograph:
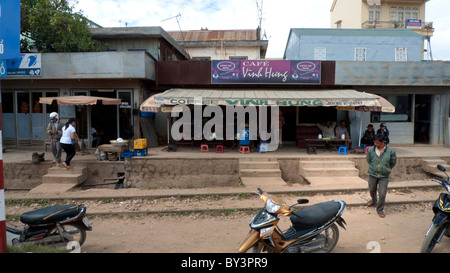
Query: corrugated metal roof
{"points": [[214, 35]]}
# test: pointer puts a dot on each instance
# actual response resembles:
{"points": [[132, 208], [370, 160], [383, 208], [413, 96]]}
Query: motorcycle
{"points": [[54, 225], [313, 228], [440, 224]]}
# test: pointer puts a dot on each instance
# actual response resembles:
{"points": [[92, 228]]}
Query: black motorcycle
{"points": [[440, 224], [54, 225]]}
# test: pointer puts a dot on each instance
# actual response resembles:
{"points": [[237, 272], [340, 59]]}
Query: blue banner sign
{"points": [[28, 64], [9, 29]]}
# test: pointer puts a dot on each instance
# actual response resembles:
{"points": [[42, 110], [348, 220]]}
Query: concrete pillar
{"points": [[435, 120]]}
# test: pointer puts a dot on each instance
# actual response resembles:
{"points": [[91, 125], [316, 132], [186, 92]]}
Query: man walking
{"points": [[381, 159], [55, 132]]}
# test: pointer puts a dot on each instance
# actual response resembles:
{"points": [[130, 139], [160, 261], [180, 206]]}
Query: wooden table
{"points": [[313, 143], [114, 149]]}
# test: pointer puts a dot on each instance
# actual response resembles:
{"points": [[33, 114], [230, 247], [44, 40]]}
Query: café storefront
{"points": [[294, 86]]}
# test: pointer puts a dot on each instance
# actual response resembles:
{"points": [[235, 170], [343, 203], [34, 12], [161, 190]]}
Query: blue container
{"points": [[126, 154], [147, 114], [140, 152]]}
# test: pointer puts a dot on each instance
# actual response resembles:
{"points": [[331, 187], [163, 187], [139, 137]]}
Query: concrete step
{"points": [[327, 163], [263, 182], [260, 173], [62, 170], [328, 172], [259, 165], [52, 188], [70, 178], [429, 165], [330, 182]]}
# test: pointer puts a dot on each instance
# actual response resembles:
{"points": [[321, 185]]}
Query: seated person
{"points": [[368, 136], [342, 130], [244, 136], [327, 129]]}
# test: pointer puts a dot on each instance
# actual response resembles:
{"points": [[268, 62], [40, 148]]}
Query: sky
{"points": [[278, 17]]}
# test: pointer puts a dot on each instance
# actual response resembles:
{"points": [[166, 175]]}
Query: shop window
{"points": [[402, 112], [360, 54], [401, 54]]}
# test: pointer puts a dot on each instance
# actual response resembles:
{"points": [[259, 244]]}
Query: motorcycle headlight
{"points": [[271, 207]]}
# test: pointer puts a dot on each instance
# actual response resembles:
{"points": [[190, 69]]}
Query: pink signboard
{"points": [[265, 71]]}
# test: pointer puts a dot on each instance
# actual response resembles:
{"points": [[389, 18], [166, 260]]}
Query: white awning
{"points": [[345, 98]]}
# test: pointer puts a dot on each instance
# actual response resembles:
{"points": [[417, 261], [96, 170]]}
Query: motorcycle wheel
{"points": [[431, 238], [332, 235], [75, 230]]}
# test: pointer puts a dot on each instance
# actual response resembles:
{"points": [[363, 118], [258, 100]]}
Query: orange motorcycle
{"points": [[313, 227]]}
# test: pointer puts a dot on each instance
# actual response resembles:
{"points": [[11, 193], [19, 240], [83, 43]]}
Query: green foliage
{"points": [[53, 26]]}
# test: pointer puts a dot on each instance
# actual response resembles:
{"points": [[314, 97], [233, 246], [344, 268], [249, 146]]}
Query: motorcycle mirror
{"points": [[302, 201], [441, 168]]}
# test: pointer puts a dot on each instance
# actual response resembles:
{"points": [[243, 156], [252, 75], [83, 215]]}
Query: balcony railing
{"points": [[426, 26]]}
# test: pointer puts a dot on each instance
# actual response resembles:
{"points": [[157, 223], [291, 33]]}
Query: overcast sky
{"points": [[279, 16]]}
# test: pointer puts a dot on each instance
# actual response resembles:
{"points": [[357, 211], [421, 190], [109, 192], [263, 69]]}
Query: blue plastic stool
{"points": [[363, 146], [343, 150], [263, 148]]}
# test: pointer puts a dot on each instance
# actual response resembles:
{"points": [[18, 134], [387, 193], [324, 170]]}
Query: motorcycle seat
{"points": [[50, 214], [314, 216]]}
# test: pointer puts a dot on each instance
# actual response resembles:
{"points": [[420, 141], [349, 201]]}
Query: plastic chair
{"points": [[219, 149], [263, 148], [367, 148], [244, 149], [343, 150], [204, 148]]}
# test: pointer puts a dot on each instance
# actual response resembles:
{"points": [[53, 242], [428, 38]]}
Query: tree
{"points": [[53, 26]]}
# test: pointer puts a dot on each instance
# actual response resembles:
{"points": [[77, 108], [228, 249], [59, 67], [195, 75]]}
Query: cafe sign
{"points": [[265, 72], [268, 102]]}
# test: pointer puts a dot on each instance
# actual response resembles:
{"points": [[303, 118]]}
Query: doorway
{"points": [[422, 119]]}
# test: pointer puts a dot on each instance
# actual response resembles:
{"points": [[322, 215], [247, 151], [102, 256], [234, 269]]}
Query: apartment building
{"points": [[381, 14], [204, 44]]}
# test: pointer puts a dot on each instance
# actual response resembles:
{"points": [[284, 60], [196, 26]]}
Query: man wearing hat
{"points": [[384, 131], [55, 132]]}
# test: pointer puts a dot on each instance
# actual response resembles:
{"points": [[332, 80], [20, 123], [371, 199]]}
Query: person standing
{"points": [[54, 129], [68, 137], [381, 159]]}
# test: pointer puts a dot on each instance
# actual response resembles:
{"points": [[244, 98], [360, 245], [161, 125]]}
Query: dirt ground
{"points": [[401, 231]]}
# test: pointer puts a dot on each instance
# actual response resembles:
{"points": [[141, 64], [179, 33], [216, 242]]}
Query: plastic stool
{"points": [[364, 146], [343, 150], [204, 148], [367, 148], [244, 149], [263, 147], [219, 149]]}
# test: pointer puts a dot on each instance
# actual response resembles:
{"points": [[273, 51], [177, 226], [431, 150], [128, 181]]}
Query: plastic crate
{"points": [[140, 152], [140, 143], [127, 154]]}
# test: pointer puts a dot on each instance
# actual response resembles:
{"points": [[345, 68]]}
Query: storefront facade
{"points": [[122, 75], [419, 91]]}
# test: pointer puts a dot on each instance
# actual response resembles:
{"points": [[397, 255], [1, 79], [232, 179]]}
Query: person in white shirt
{"points": [[327, 129], [69, 135]]}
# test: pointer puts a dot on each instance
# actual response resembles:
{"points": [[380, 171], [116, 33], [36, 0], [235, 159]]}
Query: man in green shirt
{"points": [[381, 159]]}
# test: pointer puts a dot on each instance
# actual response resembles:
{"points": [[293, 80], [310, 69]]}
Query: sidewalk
{"points": [[24, 154], [20, 154]]}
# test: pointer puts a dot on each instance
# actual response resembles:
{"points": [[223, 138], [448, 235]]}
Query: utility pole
{"points": [[9, 49]]}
